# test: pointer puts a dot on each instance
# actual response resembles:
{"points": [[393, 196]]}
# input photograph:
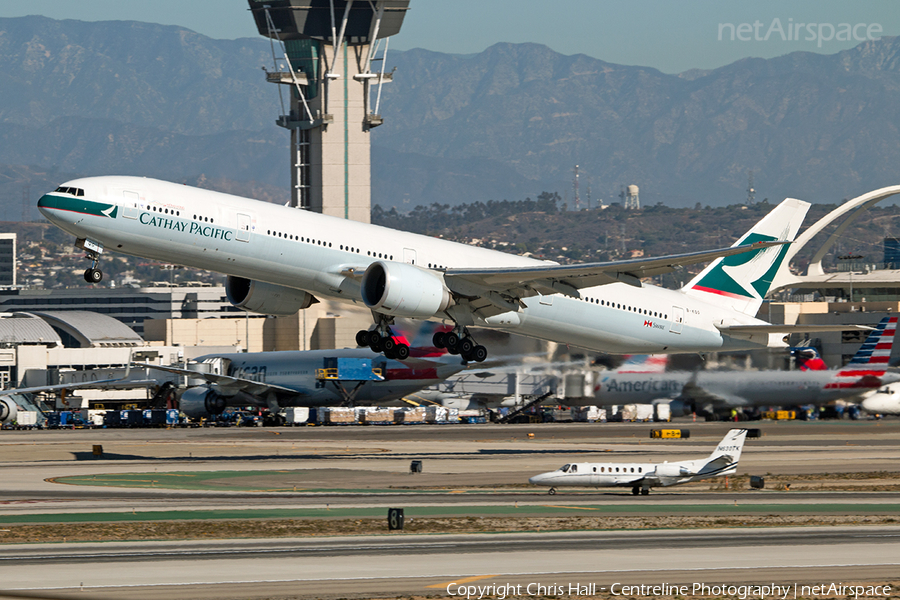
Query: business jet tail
{"points": [[741, 281], [724, 459]]}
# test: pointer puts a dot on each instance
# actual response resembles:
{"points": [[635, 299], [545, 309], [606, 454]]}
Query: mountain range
{"points": [[88, 98]]}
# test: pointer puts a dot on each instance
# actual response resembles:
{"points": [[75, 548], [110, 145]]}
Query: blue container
{"points": [[172, 417]]}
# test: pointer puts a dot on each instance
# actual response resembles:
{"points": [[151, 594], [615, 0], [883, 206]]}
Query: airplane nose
{"points": [[537, 479]]}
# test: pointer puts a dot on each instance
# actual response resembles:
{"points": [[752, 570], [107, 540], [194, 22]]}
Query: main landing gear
{"points": [[640, 490], [465, 346], [381, 339]]}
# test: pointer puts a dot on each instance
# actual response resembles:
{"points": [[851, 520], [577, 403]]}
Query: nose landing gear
{"points": [[93, 251]]}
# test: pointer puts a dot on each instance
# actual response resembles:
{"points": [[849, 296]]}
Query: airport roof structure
{"points": [[85, 329], [24, 328]]}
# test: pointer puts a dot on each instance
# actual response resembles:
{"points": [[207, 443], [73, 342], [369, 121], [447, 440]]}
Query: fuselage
{"points": [[885, 401], [319, 254], [628, 474], [740, 388]]}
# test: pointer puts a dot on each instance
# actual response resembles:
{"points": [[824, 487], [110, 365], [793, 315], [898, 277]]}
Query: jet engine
{"points": [[682, 408], [672, 470], [266, 298], [403, 290], [8, 411], [201, 401]]}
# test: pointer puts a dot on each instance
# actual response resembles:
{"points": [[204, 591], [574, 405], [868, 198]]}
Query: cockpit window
{"points": [[70, 190], [564, 468], [573, 468]]}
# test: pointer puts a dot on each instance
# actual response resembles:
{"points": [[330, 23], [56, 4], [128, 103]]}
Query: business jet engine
{"points": [[682, 408], [201, 401], [266, 298], [8, 411], [403, 290]]}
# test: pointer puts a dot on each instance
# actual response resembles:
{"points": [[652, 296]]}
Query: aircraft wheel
{"points": [[374, 341], [552, 491], [388, 345], [635, 490], [401, 352], [362, 337], [467, 356], [645, 491], [451, 341], [93, 275], [479, 353], [465, 346], [392, 354], [438, 339]]}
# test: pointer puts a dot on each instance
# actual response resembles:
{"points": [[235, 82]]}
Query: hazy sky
{"points": [[670, 36]]}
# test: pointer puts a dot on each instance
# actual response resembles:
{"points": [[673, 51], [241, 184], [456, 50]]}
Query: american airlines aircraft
{"points": [[640, 477], [279, 259], [714, 392]]}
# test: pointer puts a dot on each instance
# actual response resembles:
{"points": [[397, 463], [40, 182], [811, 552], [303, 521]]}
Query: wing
{"points": [[100, 384], [226, 384], [505, 286]]}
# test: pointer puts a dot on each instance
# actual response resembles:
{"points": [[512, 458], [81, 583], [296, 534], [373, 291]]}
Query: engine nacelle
{"points": [[403, 290], [266, 298], [672, 470], [682, 408], [8, 411], [201, 401]]}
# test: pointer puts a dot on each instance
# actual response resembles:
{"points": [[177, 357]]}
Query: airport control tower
{"points": [[324, 52]]}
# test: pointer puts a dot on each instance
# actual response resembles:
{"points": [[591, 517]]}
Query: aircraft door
{"points": [[677, 319], [409, 256], [130, 204], [595, 475], [243, 228]]}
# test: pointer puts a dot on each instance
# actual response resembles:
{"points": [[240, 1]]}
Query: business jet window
{"points": [[595, 469], [639, 469], [564, 468], [573, 469]]}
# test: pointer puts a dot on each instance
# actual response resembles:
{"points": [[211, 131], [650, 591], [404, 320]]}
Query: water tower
{"points": [[630, 197], [324, 51]]}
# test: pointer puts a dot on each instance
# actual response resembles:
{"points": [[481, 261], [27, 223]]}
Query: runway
{"points": [[417, 564], [469, 472]]}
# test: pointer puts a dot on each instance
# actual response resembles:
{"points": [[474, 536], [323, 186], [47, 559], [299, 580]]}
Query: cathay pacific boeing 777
{"points": [[279, 259]]}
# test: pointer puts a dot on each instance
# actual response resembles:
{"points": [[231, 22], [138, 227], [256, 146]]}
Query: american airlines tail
{"points": [[741, 281], [645, 363], [876, 350]]}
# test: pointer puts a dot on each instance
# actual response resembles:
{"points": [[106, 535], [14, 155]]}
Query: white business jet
{"points": [[640, 477], [279, 259]]}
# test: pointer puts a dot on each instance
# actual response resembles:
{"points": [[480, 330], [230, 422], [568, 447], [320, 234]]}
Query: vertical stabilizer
{"points": [[729, 449], [742, 281], [876, 350]]}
